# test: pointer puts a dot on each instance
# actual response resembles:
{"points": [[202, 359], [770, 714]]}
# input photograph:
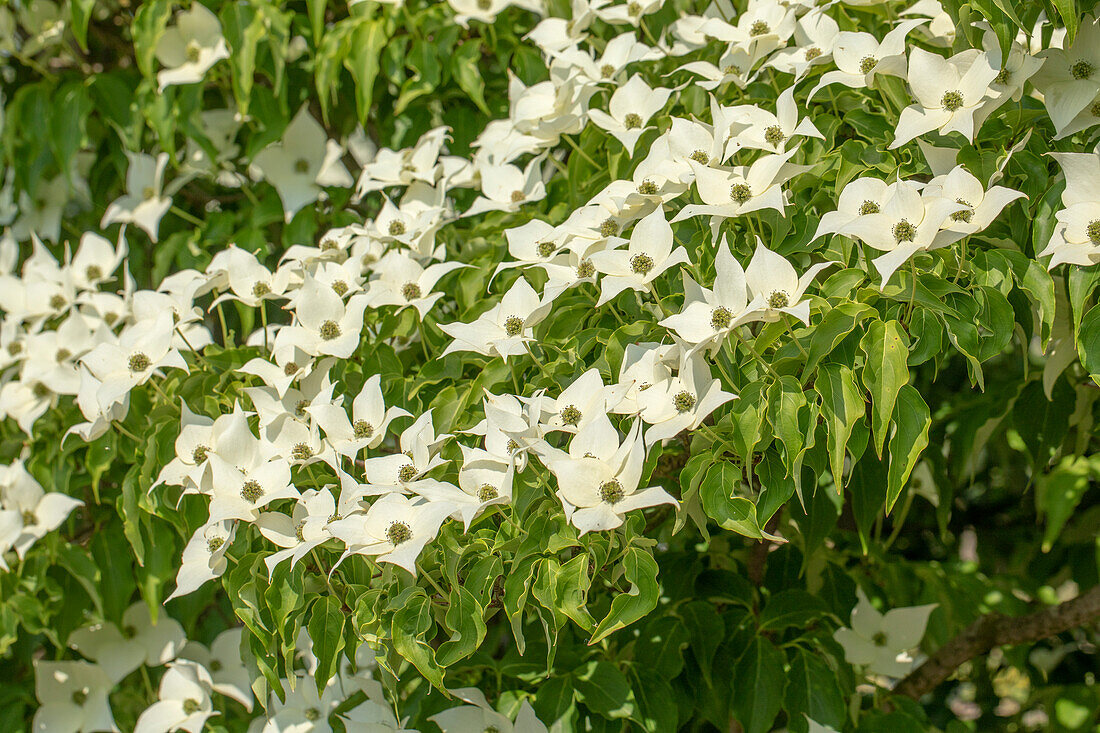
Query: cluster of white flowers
{"points": [[65, 333]]}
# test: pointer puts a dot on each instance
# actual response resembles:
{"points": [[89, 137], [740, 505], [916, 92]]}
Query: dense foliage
{"points": [[493, 365]]}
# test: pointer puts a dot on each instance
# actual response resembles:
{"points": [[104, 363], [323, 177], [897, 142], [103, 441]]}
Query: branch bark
{"points": [[993, 630]]}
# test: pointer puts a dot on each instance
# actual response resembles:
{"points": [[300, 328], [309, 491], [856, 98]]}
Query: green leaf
{"points": [[150, 20], [1070, 18], [793, 607], [793, 423], [837, 323], [735, 513], [326, 629], [640, 570], [655, 708], [81, 13], [316, 10], [1088, 342], [758, 686], [842, 405], [661, 644], [1058, 493], [604, 690], [466, 71], [465, 620], [362, 61], [813, 692], [908, 441], [410, 624], [885, 371]]}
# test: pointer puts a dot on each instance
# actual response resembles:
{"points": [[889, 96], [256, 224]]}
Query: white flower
{"points": [[184, 703], [949, 92], [775, 287], [503, 329], [190, 47], [400, 280], [644, 365], [742, 189], [300, 163], [759, 129], [245, 477], [708, 316], [73, 697], [119, 650], [299, 533], [598, 481], [141, 351], [204, 557], [96, 260], [583, 401], [249, 281], [629, 111], [860, 197], [881, 642], [504, 187], [815, 37], [145, 201], [648, 254], [860, 56], [479, 716], [682, 402], [303, 710], [326, 324], [224, 661], [483, 481], [367, 426], [1076, 235], [977, 207], [39, 512], [1070, 79], [398, 472], [395, 529]]}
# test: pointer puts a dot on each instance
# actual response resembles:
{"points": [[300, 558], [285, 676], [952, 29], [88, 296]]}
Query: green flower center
{"points": [[301, 452], [720, 318], [545, 249], [964, 215], [1092, 231], [952, 100], [607, 70], [340, 287], [290, 368], [867, 63], [611, 492], [260, 289], [759, 28], [700, 157], [93, 272], [299, 531], [879, 639], [511, 446], [190, 706], [139, 362], [214, 666], [647, 188], [513, 326], [585, 269], [40, 390], [300, 407], [148, 193], [398, 532], [29, 518], [301, 165], [487, 492], [330, 330], [1081, 70], [214, 544], [251, 491], [14, 348], [193, 51], [904, 232], [312, 714], [779, 299], [609, 227], [1002, 77], [774, 135], [518, 196], [740, 193], [406, 473], [570, 415], [62, 354], [683, 401], [58, 302], [632, 121], [410, 291], [362, 429], [1094, 110], [397, 228], [199, 454], [329, 244], [812, 53], [641, 264], [634, 9], [80, 697], [868, 207]]}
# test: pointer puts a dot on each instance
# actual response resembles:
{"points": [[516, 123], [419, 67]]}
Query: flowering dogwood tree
{"points": [[545, 365]]}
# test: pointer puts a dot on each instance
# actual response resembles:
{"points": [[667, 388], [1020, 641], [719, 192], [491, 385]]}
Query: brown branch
{"points": [[993, 630]]}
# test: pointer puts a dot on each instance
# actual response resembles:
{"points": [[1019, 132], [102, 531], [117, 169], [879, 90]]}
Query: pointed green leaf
{"points": [[886, 350], [842, 405], [326, 629]]}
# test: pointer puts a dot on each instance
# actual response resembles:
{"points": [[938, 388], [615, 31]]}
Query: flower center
{"points": [[290, 368], [214, 666], [611, 492], [812, 53], [513, 326], [300, 407], [29, 518], [330, 330], [139, 362], [58, 302], [93, 272], [398, 532], [570, 415], [190, 706], [774, 135], [952, 100], [339, 287], [545, 249], [397, 228], [1002, 77], [251, 491], [214, 544], [62, 354], [40, 390], [700, 157], [1093, 231], [193, 51], [585, 269], [607, 70], [759, 28], [634, 9], [647, 188], [868, 207], [301, 452], [312, 714], [1081, 70], [632, 121], [609, 227], [904, 232], [80, 697], [684, 401], [260, 289], [740, 193], [720, 318], [14, 348], [301, 165], [406, 473], [362, 429], [964, 215], [148, 193], [641, 264], [879, 639], [518, 196], [1094, 110], [410, 291], [778, 299], [867, 63], [199, 454], [487, 492], [299, 531]]}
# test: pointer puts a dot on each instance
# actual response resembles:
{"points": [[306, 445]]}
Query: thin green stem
{"points": [[189, 218], [755, 353], [580, 152], [225, 329]]}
